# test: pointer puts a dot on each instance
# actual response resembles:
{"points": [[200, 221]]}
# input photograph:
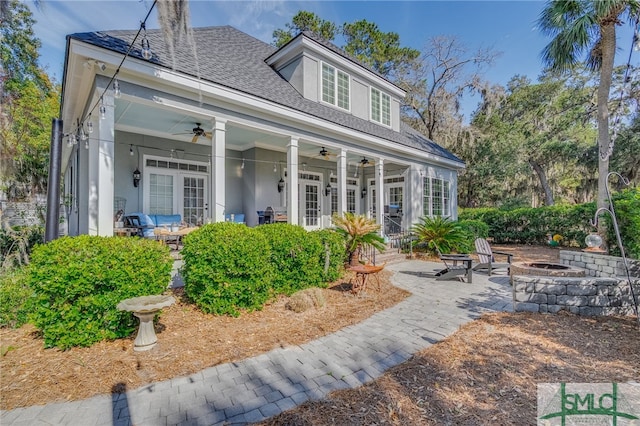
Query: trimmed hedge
{"points": [[227, 268], [334, 246], [78, 281], [295, 255], [573, 222]]}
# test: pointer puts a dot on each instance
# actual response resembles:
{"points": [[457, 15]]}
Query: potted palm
{"points": [[359, 232]]}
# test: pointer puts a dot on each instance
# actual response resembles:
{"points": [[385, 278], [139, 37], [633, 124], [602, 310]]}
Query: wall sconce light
{"points": [[363, 193], [280, 185], [327, 190], [136, 178]]}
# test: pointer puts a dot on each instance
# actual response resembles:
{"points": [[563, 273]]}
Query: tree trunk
{"points": [[608, 46], [548, 195]]}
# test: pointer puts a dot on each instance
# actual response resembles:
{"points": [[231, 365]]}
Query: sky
{"points": [[507, 27]]}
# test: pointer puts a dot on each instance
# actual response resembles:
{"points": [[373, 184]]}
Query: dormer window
{"points": [[380, 107], [335, 87]]}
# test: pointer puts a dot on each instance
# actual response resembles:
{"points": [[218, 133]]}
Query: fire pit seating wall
{"points": [[147, 223], [603, 291]]}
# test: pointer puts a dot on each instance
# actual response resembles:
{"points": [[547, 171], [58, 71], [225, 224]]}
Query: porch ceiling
{"points": [[177, 125]]}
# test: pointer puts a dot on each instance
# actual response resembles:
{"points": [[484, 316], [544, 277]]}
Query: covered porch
{"points": [[158, 153]]}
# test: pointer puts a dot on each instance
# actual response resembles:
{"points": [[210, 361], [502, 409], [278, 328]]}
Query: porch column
{"points": [[413, 196], [380, 194], [342, 181], [100, 162], [218, 157], [292, 182]]}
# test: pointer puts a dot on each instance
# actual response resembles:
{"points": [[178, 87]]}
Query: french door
{"points": [[176, 187], [310, 203], [194, 199]]}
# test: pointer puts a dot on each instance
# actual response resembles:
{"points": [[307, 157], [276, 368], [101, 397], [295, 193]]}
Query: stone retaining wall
{"points": [[600, 265], [583, 296]]}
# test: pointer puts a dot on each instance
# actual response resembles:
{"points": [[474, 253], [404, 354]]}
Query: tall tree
{"points": [[545, 130], [305, 21], [371, 46], [435, 84], [579, 26], [29, 101]]}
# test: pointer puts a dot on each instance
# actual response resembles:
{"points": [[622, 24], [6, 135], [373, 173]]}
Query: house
{"points": [[228, 124]]}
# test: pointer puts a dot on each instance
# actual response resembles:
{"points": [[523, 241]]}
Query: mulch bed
{"points": [[188, 341]]}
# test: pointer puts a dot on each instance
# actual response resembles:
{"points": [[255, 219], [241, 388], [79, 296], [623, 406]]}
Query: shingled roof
{"points": [[231, 58]]}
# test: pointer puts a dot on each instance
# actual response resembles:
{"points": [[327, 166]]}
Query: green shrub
{"points": [[78, 281], [573, 222], [295, 256], [227, 268], [334, 246], [15, 296], [627, 206], [475, 228], [443, 234]]}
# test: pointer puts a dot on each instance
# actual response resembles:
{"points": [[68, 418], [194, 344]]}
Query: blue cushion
{"points": [[166, 219], [237, 217]]}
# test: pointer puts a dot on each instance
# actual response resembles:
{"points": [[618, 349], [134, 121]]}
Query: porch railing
{"points": [[402, 239]]}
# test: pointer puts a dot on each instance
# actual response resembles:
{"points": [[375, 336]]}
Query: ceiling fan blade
{"points": [[194, 139], [207, 134]]}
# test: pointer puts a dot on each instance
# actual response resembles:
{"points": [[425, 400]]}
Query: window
{"points": [[335, 87], [426, 197], [436, 197], [160, 194], [352, 192], [380, 107]]}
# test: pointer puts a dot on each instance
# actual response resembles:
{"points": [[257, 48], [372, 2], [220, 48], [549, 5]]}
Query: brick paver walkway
{"points": [[263, 386]]}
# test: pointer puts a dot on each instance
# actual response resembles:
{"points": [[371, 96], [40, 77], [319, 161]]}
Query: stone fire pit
{"points": [[585, 283], [546, 269]]}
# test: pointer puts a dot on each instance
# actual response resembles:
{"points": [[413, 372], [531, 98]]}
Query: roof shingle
{"points": [[231, 58]]}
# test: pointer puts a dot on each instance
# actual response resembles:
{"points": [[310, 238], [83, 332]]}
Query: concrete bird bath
{"points": [[145, 308]]}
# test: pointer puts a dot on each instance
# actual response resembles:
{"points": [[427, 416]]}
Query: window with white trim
{"points": [[352, 190], [335, 87], [380, 107], [436, 197]]}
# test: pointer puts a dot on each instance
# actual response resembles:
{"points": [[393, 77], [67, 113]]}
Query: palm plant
{"points": [[359, 232], [441, 234], [588, 25]]}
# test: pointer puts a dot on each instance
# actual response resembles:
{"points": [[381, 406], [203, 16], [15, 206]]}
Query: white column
{"points": [[413, 196], [292, 182], [101, 161], [380, 193], [218, 158], [342, 181]]}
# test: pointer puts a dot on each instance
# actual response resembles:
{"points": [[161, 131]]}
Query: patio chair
{"points": [[456, 266], [487, 259]]}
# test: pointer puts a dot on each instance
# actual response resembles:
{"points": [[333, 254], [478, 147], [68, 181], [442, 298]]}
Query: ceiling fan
{"points": [[365, 162], [196, 132], [362, 163], [324, 154]]}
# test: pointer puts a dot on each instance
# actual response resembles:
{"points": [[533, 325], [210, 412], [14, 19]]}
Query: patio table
{"points": [[178, 234], [362, 273]]}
